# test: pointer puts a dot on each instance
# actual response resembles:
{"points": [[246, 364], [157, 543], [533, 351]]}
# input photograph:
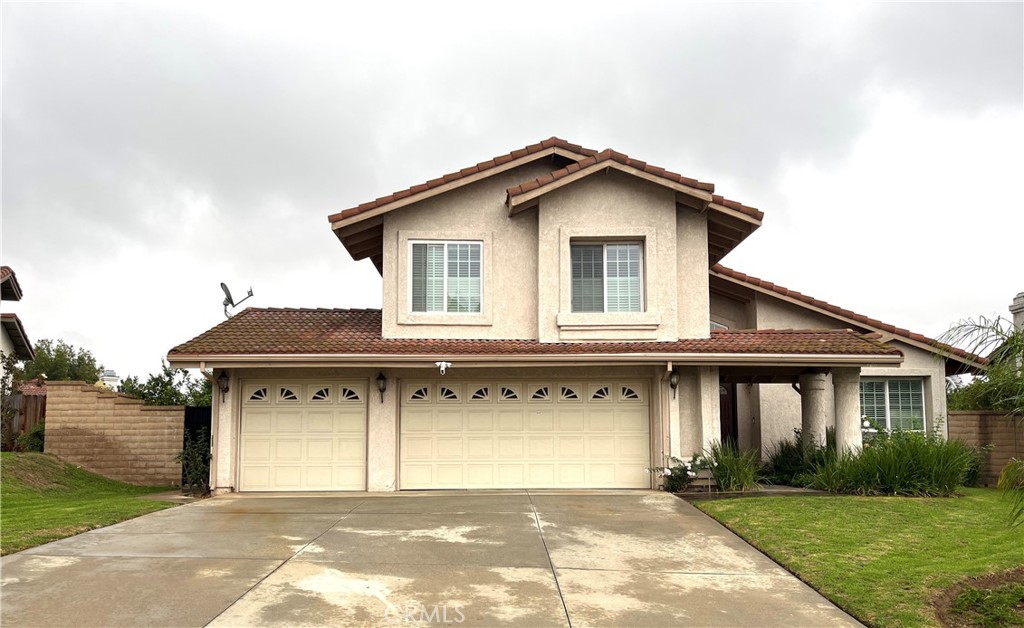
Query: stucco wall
{"points": [[730, 312], [476, 211], [778, 405], [603, 207], [6, 345], [114, 435]]}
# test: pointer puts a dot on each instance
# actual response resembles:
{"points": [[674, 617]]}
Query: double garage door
{"points": [[512, 434], [311, 435]]}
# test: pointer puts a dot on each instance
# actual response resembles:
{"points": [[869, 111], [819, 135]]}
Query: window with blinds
{"points": [[607, 277], [893, 404], [447, 277]]}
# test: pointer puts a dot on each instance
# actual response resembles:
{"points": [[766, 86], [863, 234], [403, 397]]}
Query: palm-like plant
{"points": [[999, 387]]}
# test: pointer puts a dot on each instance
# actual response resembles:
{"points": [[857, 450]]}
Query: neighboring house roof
{"points": [[336, 332], [10, 289], [16, 331], [834, 311], [34, 388]]}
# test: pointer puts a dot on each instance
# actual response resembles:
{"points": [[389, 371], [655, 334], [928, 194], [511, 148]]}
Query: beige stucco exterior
{"points": [[776, 408], [526, 270], [6, 345]]}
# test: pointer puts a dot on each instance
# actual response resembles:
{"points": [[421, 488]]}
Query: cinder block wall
{"points": [[114, 435], [1004, 433]]}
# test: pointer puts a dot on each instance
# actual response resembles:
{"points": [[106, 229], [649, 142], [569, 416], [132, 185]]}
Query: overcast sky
{"points": [[151, 152]]}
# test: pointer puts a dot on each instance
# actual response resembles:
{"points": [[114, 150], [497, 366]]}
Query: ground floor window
{"points": [[893, 404]]}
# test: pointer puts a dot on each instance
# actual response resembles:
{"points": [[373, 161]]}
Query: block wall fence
{"points": [[1004, 433], [114, 435]]}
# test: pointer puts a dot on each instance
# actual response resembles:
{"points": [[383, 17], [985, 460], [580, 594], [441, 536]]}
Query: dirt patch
{"points": [[944, 600]]}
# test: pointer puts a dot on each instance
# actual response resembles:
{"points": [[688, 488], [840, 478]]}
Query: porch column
{"points": [[710, 400], [813, 412], [846, 383]]}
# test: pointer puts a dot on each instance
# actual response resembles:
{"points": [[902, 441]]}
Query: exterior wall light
{"points": [[222, 384], [382, 385], [673, 382]]}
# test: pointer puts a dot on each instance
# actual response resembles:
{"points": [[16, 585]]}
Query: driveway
{"points": [[510, 558]]}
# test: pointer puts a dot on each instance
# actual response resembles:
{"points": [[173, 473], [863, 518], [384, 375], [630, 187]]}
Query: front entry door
{"points": [[727, 405]]}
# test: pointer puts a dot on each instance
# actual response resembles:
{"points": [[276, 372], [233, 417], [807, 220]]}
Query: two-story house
{"points": [[554, 318], [13, 339]]}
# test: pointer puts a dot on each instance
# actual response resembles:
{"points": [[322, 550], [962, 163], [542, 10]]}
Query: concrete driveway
{"points": [[511, 558]]}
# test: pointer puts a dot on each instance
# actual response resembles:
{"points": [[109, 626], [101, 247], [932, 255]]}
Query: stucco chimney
{"points": [[1017, 311]]}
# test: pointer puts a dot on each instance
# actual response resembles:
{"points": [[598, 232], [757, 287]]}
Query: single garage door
{"points": [[517, 434], [303, 436]]}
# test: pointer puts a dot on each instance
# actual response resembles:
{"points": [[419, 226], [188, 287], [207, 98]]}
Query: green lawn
{"points": [[882, 559], [43, 499]]}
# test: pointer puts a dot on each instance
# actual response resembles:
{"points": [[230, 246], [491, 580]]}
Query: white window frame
{"points": [[444, 272], [604, 275], [888, 417]]}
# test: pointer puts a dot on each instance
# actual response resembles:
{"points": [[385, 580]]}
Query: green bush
{"points": [[34, 439], [792, 463], [733, 470], [195, 462], [678, 476], [979, 458], [900, 463]]}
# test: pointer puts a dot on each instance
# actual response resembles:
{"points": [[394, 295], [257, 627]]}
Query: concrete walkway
{"points": [[513, 558]]}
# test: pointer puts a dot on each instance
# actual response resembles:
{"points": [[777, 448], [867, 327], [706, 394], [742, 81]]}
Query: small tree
{"points": [[195, 463], [10, 383], [1000, 387], [170, 387], [59, 360]]}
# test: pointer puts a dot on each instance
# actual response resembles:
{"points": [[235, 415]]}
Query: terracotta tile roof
{"points": [[283, 331], [10, 289], [849, 314], [34, 388], [454, 176], [611, 155]]}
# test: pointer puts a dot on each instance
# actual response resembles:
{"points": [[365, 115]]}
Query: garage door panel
{"points": [[541, 420], [418, 447], [287, 422], [518, 434], [449, 447], [320, 421], [256, 450], [510, 447], [449, 420], [300, 436], [320, 449], [287, 450], [257, 422], [480, 447], [510, 420]]}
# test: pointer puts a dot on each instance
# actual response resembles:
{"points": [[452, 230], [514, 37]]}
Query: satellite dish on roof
{"points": [[229, 301]]}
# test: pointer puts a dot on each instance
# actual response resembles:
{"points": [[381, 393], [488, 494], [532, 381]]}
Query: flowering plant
{"points": [[677, 476]]}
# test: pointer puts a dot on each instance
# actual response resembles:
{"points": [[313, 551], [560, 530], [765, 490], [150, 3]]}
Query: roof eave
{"points": [[16, 331], [253, 360]]}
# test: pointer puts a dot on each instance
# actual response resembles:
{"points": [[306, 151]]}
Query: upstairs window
{"points": [[893, 404], [607, 277], [446, 277]]}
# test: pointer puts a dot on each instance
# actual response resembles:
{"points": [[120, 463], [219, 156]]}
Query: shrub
{"points": [[900, 463], [792, 463], [733, 470], [34, 439], [676, 477], [195, 462], [979, 458]]}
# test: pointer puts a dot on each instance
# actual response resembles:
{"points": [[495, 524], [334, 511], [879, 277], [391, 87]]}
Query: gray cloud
{"points": [[225, 136]]}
